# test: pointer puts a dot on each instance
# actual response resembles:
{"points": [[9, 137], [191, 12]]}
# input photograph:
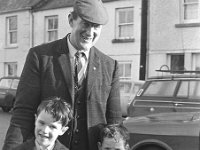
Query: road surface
{"points": [[4, 123]]}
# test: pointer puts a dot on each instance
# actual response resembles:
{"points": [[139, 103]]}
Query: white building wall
{"points": [[165, 38], [18, 53]]}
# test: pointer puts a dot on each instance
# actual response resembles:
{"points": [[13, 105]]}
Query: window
{"points": [[51, 28], [191, 10], [125, 70], [125, 76], [161, 89], [11, 31], [189, 89], [124, 23], [196, 61], [11, 69], [176, 62]]}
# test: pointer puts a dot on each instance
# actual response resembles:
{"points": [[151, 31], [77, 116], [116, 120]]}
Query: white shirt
{"points": [[72, 52]]}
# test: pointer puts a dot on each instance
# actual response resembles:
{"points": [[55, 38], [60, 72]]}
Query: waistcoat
{"points": [[79, 139]]}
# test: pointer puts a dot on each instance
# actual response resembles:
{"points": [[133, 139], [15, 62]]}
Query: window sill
{"points": [[11, 47], [123, 40], [186, 25]]}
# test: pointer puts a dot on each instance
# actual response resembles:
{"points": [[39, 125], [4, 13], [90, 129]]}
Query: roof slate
{"points": [[37, 5]]}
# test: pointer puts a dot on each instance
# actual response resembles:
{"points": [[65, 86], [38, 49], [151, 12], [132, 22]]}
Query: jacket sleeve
{"points": [[27, 99], [113, 110]]}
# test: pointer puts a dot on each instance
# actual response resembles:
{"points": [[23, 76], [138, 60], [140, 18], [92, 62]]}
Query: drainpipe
{"points": [[143, 47]]}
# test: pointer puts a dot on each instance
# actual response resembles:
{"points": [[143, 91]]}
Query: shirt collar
{"points": [[39, 147], [73, 50]]}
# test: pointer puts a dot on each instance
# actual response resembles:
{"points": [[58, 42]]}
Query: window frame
{"points": [[47, 30], [14, 67], [169, 59], [9, 31], [117, 24], [183, 20]]}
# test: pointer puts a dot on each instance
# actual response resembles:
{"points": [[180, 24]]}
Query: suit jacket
{"points": [[30, 145], [47, 72]]}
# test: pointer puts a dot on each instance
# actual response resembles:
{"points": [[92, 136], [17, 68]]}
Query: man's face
{"points": [[47, 129], [112, 144], [84, 34]]}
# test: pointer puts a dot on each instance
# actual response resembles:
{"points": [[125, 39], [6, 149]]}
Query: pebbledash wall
{"points": [[169, 35], [15, 53], [31, 32]]}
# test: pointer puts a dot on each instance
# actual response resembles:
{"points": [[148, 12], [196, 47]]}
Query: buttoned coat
{"points": [[47, 72]]}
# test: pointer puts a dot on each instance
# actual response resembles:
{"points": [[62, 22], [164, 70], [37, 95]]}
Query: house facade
{"points": [[46, 21], [173, 35]]}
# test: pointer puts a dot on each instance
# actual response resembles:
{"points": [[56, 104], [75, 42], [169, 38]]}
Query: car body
{"points": [[171, 93], [128, 90], [164, 131], [8, 87]]}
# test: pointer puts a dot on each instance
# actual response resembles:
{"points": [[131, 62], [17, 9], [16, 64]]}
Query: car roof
{"points": [[10, 77]]}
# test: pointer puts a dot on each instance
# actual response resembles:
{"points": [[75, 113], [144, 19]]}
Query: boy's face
{"points": [[112, 144], [47, 129]]}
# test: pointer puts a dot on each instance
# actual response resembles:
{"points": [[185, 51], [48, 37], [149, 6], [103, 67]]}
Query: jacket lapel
{"points": [[64, 61], [93, 70]]}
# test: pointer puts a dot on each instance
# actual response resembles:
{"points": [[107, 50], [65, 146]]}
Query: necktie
{"points": [[79, 68]]}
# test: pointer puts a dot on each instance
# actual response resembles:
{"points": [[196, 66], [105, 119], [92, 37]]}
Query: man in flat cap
{"points": [[73, 69]]}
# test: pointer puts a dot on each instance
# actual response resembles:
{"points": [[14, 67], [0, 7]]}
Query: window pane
{"points": [[183, 90], [191, 11], [120, 70], [194, 90], [122, 17], [130, 16], [161, 89], [13, 37], [177, 62], [15, 84], [127, 70], [189, 89], [5, 83], [126, 31], [52, 35], [12, 23], [50, 23], [56, 23]]}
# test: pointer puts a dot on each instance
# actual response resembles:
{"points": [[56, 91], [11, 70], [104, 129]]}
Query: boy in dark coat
{"points": [[51, 120]]}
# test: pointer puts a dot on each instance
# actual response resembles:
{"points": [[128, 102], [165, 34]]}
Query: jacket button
{"points": [[75, 142], [77, 130]]}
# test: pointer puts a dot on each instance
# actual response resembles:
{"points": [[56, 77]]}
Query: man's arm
{"points": [[27, 100], [113, 110]]}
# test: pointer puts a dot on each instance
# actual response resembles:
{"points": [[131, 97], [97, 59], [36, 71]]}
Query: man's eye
{"points": [[53, 127]]}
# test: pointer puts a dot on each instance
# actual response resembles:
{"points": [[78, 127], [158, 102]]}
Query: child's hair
{"points": [[58, 108], [115, 131]]}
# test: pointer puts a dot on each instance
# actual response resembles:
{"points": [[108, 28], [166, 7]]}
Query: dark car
{"points": [[8, 87], [169, 93], [164, 131]]}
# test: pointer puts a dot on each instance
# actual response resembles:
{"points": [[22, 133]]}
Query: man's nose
{"points": [[90, 30]]}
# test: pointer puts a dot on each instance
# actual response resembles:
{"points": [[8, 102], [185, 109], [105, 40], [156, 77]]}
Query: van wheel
{"points": [[6, 109], [150, 147]]}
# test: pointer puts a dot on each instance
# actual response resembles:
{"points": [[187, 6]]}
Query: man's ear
{"points": [[63, 130], [99, 145], [35, 117], [70, 19]]}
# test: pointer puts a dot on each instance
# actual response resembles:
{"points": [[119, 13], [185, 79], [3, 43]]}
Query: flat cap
{"points": [[91, 10]]}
